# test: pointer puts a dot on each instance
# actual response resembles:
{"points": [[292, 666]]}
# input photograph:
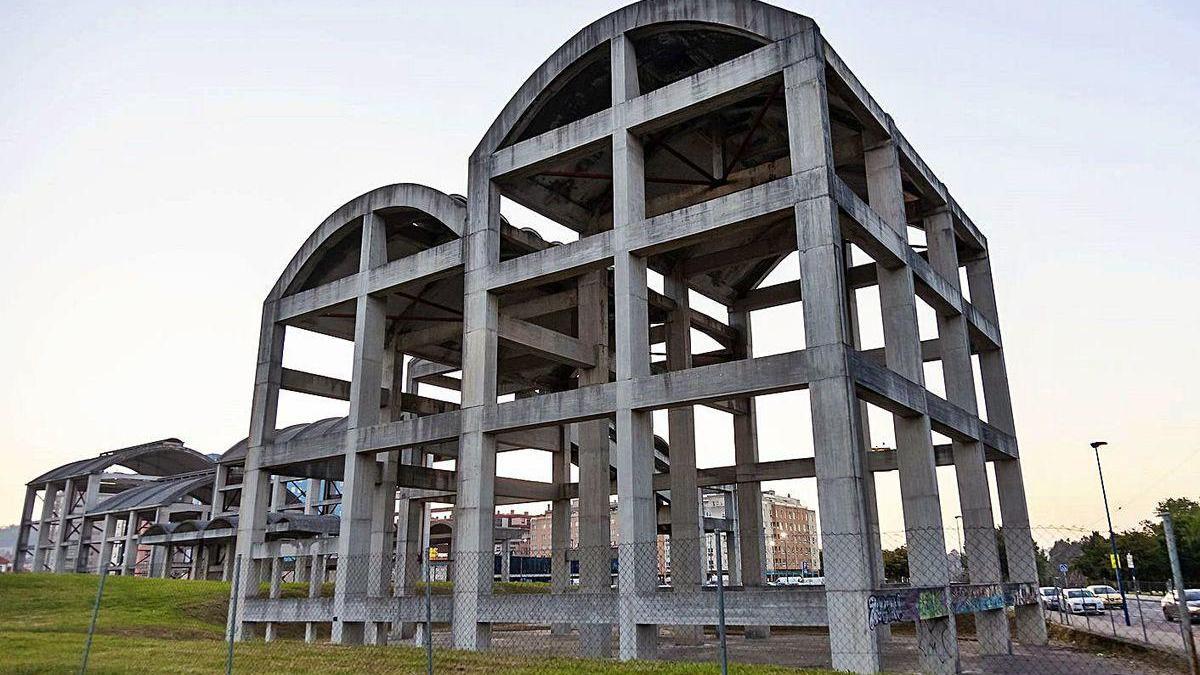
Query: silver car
{"points": [[1170, 606], [1048, 597]]}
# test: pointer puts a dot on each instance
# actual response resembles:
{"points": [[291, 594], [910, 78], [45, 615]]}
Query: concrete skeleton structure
{"points": [[82, 515], [704, 142], [694, 143]]}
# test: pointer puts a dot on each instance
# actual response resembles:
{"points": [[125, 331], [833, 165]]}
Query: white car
{"points": [[1170, 605], [1081, 601]]}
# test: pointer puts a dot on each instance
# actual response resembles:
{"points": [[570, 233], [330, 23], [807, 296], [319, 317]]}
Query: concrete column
{"points": [[59, 557], [194, 568], [560, 525], [49, 497], [130, 550], [732, 560], [106, 544], [276, 571], [316, 580], [383, 524], [506, 560], [837, 436], [227, 564], [160, 556], [475, 503], [21, 555], [410, 549], [81, 545], [883, 632], [1019, 549], [361, 478], [687, 545], [595, 446], [752, 552], [410, 516], [970, 466], [278, 493], [252, 512], [636, 517], [91, 495], [922, 507], [312, 488]]}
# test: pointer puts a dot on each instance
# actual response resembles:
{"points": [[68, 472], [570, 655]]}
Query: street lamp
{"points": [[1112, 537], [962, 569]]}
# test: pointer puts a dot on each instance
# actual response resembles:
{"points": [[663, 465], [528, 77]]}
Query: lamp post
{"points": [[1112, 537], [962, 569]]}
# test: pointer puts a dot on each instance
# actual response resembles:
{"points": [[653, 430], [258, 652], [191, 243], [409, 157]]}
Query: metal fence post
{"points": [[233, 600], [87, 646], [1137, 594], [428, 614], [1185, 619], [721, 605]]}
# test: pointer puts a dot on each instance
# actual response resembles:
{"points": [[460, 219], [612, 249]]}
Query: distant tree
{"points": [[1089, 557], [895, 564]]}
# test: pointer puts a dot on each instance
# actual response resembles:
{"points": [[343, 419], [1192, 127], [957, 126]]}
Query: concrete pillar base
{"points": [[403, 631], [1031, 625], [346, 633], [595, 641], [991, 629], [856, 651], [938, 646], [639, 641]]}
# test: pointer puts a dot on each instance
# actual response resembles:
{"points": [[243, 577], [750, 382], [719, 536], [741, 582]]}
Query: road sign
{"points": [[1062, 568], [1129, 560]]}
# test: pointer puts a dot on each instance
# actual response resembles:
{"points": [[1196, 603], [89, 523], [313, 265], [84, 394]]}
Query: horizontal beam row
{"points": [[695, 95], [889, 249], [423, 266], [889, 390]]}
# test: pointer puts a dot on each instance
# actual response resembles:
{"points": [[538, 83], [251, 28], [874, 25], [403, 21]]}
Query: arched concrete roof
{"points": [[439, 205], [156, 493], [237, 453], [746, 16], [157, 458]]}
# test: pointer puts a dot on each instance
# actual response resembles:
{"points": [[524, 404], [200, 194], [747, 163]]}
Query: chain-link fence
{"points": [[955, 599]]}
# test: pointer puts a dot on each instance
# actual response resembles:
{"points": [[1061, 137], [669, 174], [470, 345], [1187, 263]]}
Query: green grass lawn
{"points": [[170, 626]]}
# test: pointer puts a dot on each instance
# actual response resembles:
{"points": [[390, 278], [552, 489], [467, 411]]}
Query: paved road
{"points": [[1158, 631]]}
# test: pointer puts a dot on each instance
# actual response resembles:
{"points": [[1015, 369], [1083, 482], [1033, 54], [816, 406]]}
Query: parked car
{"points": [[1081, 601], [1170, 607], [1110, 595], [1048, 597]]}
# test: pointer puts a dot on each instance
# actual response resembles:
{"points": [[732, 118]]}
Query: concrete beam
{"points": [[423, 266], [553, 264], [525, 155], [544, 342], [890, 250]]}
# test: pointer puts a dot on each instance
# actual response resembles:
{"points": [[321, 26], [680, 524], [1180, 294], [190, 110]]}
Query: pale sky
{"points": [[160, 163]]}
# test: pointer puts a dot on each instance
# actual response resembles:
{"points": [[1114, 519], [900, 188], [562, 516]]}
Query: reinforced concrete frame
{"points": [[708, 177], [81, 515]]}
